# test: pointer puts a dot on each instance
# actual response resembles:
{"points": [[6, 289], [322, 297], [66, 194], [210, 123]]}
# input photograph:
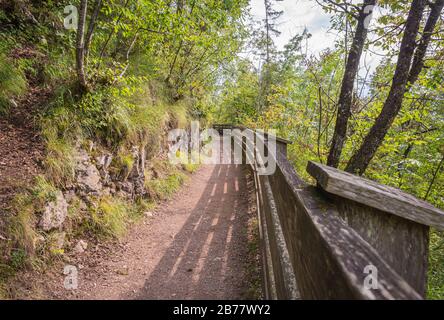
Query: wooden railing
{"points": [[346, 238]]}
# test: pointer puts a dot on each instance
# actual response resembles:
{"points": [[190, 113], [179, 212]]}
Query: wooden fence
{"points": [[346, 238]]}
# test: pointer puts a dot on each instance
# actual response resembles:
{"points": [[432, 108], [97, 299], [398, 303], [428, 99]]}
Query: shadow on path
{"points": [[206, 259]]}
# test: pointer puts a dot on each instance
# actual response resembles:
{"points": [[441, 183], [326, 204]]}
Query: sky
{"points": [[299, 14]]}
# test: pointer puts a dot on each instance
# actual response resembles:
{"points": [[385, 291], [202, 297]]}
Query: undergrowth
{"points": [[12, 82], [110, 217], [436, 261], [164, 188], [26, 245]]}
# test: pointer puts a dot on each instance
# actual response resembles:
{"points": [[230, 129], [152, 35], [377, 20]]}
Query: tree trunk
{"points": [[266, 74], [80, 52], [92, 24], [24, 8], [361, 159], [267, 32], [418, 60], [346, 95]]}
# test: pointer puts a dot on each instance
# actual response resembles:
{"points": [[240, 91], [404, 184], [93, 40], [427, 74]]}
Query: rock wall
{"points": [[95, 177]]}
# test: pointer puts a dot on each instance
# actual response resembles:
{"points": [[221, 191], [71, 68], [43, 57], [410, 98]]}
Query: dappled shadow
{"points": [[206, 259]]}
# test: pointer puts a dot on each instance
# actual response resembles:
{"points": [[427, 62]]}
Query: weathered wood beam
{"points": [[376, 195]]}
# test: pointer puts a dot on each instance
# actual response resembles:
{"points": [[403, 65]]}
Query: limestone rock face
{"points": [[54, 213], [137, 175], [93, 177], [88, 177], [103, 162], [80, 247]]}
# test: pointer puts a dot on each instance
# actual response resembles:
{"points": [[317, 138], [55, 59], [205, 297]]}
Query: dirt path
{"points": [[194, 247]]}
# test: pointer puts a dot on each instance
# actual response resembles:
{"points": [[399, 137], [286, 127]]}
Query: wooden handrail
{"points": [[220, 127], [321, 243]]}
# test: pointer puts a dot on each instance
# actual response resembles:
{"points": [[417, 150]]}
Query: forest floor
{"points": [[21, 148], [201, 244]]}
